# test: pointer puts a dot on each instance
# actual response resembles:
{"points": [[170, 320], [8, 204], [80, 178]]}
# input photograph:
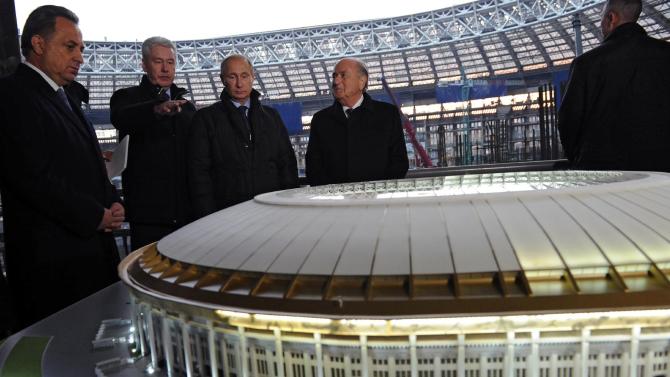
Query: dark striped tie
{"points": [[63, 97]]}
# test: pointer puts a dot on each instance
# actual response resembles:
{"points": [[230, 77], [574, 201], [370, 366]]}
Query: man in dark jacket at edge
{"points": [[238, 148], [157, 117], [59, 207], [357, 138], [616, 110]]}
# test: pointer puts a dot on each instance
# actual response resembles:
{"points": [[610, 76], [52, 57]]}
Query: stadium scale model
{"points": [[530, 274]]}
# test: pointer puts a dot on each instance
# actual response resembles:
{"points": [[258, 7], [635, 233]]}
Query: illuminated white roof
{"points": [[543, 223]]}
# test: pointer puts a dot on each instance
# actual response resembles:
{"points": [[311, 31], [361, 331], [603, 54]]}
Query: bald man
{"points": [[356, 138], [616, 110]]}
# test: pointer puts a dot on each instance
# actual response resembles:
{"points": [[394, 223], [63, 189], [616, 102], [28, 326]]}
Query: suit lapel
{"points": [[83, 125], [67, 118], [338, 114], [75, 117], [235, 120], [88, 126]]}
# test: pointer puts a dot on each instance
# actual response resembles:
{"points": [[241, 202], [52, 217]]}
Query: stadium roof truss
{"points": [[477, 40]]}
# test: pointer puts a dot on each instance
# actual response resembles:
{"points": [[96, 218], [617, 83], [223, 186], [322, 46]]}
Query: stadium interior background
{"points": [[479, 82]]}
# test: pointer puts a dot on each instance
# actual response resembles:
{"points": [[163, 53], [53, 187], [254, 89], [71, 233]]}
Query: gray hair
{"points": [[362, 69], [149, 43], [42, 22], [228, 58]]}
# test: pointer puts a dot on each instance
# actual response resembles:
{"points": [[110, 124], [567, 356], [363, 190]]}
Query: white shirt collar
{"points": [[246, 103], [355, 106], [48, 79]]}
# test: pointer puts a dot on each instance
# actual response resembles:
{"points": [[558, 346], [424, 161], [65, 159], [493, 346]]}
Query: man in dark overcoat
{"points": [[356, 138], [238, 147], [615, 113], [156, 115], [58, 204]]}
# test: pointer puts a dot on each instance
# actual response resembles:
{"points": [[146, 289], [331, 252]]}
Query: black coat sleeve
{"points": [[397, 158], [573, 107], [128, 114], [287, 168], [314, 169], [30, 173], [199, 166]]}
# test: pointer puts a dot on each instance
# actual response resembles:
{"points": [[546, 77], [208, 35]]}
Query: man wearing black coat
{"points": [[238, 148], [357, 138], [157, 117], [58, 204], [616, 110]]}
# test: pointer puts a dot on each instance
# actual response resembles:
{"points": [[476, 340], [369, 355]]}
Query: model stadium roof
{"points": [[463, 245]]}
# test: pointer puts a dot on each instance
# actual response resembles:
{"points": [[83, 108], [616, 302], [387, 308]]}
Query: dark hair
{"points": [[42, 21], [629, 10]]}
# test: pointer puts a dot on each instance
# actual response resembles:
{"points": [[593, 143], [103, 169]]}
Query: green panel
{"points": [[25, 359]]}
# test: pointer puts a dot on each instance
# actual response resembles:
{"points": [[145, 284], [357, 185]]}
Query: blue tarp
{"points": [[291, 114], [458, 92], [383, 97], [559, 79]]}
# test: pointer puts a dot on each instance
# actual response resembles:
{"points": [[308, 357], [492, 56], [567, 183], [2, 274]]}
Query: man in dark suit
{"points": [[616, 110], [357, 138], [238, 148], [59, 207], [156, 116]]}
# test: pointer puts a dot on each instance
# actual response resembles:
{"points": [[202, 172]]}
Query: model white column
{"points": [[534, 357], [167, 344], [253, 361], [390, 367], [437, 366], [577, 365], [364, 356], [508, 366], [347, 366], [584, 367], [648, 364], [224, 357], [279, 353], [600, 372], [138, 325], [199, 358], [553, 365], [460, 362], [319, 355], [634, 351], [412, 356], [152, 337], [327, 364], [244, 355], [483, 364], [307, 363], [186, 344], [211, 344], [625, 364]]}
